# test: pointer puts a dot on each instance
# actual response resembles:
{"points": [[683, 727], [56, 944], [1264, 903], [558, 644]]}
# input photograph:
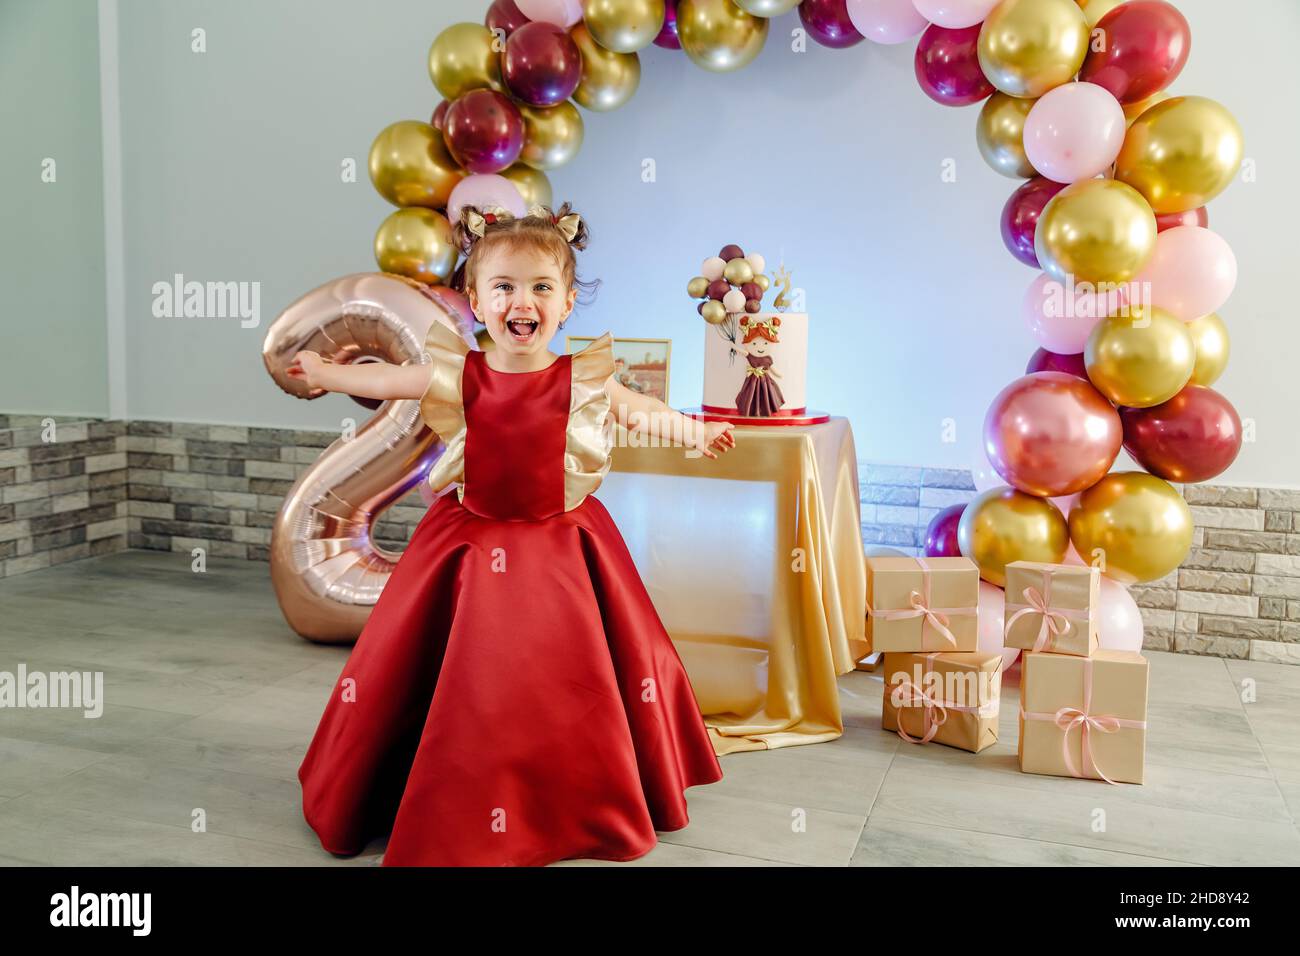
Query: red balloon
{"points": [[439, 114], [1192, 437], [948, 67], [1051, 434], [827, 21], [941, 534], [718, 288], [1020, 216], [1192, 217], [484, 131], [1045, 361], [1145, 47], [667, 37], [730, 252], [541, 64], [504, 15]]}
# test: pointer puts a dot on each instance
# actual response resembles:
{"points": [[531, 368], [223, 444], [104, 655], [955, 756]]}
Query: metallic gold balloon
{"points": [[532, 184], [1097, 230], [1094, 10], [464, 57], [1210, 339], [1140, 359], [410, 165], [698, 287], [1140, 524], [1002, 525], [999, 133], [763, 281], [718, 35], [1027, 47], [1181, 153], [1133, 110], [552, 134], [767, 8], [608, 79], [416, 243], [714, 312], [738, 272], [624, 26]]}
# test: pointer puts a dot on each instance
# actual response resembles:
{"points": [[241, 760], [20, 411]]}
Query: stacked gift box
{"points": [[1082, 708]]}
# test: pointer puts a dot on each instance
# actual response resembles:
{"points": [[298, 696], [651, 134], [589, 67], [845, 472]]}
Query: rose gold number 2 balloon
{"points": [[326, 569]]}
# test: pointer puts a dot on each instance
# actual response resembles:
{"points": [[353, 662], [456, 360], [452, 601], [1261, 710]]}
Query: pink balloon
{"points": [[1191, 272], [992, 612], [954, 14], [1060, 317], [1119, 623], [1074, 132], [483, 190], [886, 21], [563, 13], [983, 473]]}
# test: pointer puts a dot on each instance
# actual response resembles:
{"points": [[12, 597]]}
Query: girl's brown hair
{"points": [[525, 232]]}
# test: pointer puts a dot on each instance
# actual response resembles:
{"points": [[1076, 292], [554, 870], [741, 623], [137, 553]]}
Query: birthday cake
{"points": [[755, 361]]}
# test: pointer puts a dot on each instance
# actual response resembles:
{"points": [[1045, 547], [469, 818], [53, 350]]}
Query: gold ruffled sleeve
{"points": [[590, 437], [442, 406]]}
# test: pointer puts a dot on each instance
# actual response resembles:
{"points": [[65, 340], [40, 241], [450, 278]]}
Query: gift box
{"points": [[950, 698], [1084, 716], [922, 604], [1052, 608]]}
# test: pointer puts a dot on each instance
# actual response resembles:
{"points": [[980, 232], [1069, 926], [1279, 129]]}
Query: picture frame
{"points": [[640, 364]]}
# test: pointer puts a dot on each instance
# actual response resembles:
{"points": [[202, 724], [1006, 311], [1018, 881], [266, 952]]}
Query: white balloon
{"points": [[712, 268], [734, 301], [1119, 625], [886, 21], [756, 262], [954, 14]]}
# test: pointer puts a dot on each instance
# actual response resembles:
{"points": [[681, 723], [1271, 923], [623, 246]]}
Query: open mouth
{"points": [[522, 330]]}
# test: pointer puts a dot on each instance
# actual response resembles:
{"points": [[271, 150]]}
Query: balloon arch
{"points": [[1116, 174]]}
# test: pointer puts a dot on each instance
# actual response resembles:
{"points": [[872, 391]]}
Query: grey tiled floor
{"points": [[212, 701]]}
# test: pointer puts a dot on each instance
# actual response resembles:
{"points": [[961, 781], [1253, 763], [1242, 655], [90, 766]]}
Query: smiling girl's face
{"points": [[522, 299]]}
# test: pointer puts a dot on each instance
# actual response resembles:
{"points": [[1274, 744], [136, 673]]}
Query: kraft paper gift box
{"points": [[1084, 716], [950, 698], [922, 604], [1052, 608]]}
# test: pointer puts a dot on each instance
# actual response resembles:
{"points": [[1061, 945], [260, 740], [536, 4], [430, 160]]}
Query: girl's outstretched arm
{"points": [[382, 380], [647, 415]]}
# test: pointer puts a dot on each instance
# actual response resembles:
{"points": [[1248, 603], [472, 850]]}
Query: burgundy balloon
{"points": [[1045, 361], [752, 290], [667, 37], [730, 252], [948, 66], [504, 15], [752, 305], [941, 534], [1051, 434], [484, 131], [439, 115], [1192, 217], [827, 21], [541, 64], [1145, 48], [718, 288], [1020, 216], [1192, 437]]}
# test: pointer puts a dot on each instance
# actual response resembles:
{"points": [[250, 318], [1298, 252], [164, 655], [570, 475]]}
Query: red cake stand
{"points": [[785, 416]]}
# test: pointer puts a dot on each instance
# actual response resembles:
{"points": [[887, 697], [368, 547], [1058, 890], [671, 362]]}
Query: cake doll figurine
{"points": [[760, 395], [513, 698]]}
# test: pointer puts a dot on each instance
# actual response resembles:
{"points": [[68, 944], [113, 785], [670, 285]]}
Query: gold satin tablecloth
{"points": [[754, 562]]}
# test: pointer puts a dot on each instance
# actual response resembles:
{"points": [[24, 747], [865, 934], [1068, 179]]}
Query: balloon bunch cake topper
{"points": [[730, 283]]}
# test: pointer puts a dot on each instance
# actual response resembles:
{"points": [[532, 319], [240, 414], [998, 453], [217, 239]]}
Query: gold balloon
{"points": [[698, 287], [1094, 10], [608, 79], [465, 57], [416, 243], [410, 165], [1140, 359], [1027, 47], [1097, 230], [738, 272], [718, 35], [1181, 153], [1133, 110], [1002, 525], [767, 8], [714, 312], [531, 183], [1210, 339], [763, 282], [1141, 525], [552, 134], [1000, 132], [624, 26]]}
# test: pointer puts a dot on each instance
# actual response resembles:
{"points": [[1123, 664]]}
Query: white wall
{"points": [[831, 159]]}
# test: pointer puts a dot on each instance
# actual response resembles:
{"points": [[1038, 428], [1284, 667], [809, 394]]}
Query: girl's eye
{"points": [[502, 285], [542, 286]]}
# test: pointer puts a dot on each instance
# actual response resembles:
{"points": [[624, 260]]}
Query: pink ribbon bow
{"points": [[937, 617], [1041, 603], [1067, 718], [907, 694]]}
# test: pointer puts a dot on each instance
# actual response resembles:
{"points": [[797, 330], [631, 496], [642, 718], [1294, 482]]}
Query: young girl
{"points": [[513, 698]]}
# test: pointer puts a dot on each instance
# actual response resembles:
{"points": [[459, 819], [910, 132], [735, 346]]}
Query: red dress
{"points": [[513, 699]]}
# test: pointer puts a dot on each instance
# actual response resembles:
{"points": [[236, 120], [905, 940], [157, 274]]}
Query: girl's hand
{"points": [[715, 435], [307, 366]]}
